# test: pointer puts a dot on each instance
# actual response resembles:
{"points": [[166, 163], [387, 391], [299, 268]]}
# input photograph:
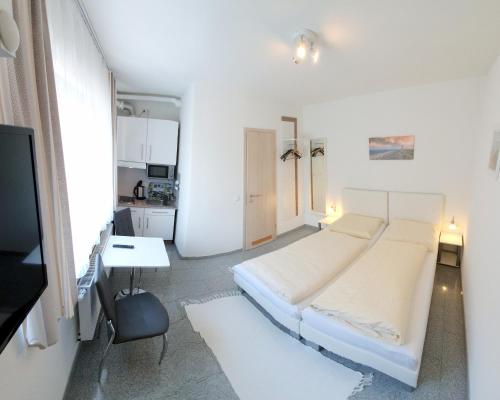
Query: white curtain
{"points": [[84, 97]]}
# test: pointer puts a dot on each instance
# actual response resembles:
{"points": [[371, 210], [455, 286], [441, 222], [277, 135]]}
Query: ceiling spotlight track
{"points": [[306, 43]]}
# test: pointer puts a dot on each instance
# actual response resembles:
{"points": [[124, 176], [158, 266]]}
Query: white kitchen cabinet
{"points": [[137, 215], [159, 223], [152, 222], [162, 142], [131, 139], [146, 140]]}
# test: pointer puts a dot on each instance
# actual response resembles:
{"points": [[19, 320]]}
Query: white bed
{"points": [[356, 201], [399, 361]]}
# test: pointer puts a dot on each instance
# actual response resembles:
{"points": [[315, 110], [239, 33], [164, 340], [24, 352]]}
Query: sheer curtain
{"points": [[84, 96]]}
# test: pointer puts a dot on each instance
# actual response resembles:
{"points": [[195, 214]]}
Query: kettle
{"points": [[139, 191]]}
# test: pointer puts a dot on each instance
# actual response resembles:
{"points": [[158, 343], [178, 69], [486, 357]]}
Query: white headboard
{"points": [[425, 207], [365, 202]]}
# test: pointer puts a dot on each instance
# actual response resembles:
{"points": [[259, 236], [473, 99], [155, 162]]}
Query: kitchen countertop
{"points": [[145, 204]]}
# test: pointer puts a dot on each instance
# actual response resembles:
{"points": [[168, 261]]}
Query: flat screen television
{"points": [[23, 274]]}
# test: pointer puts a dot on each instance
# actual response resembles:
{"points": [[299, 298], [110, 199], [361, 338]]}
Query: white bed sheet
{"points": [[407, 355], [259, 291]]}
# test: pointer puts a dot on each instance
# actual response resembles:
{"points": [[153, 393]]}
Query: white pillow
{"points": [[356, 225], [403, 230]]}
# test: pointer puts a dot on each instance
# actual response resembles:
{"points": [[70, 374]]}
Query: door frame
{"points": [[245, 185]]}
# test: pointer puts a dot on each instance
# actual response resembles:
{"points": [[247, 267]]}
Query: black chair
{"points": [[123, 223], [132, 318], [122, 220]]}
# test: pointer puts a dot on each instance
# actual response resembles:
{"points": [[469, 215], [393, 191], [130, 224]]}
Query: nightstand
{"points": [[326, 221], [450, 249]]}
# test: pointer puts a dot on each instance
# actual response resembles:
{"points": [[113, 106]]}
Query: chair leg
{"points": [[164, 349], [140, 280], [110, 342], [131, 287]]}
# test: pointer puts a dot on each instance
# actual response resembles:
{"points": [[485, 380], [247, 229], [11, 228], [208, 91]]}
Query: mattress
{"points": [[280, 309], [407, 355]]}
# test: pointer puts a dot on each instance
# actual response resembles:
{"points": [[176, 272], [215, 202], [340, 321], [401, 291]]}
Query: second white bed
{"points": [[399, 361], [345, 341]]}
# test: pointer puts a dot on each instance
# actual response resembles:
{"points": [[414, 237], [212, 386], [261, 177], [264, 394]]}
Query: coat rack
{"points": [[291, 154], [318, 152]]}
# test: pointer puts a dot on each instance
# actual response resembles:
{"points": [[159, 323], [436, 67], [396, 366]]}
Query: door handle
{"points": [[142, 152], [252, 196], [147, 223], [139, 223], [150, 151]]}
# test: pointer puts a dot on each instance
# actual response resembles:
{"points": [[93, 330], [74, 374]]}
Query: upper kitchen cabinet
{"points": [[162, 141], [146, 140], [131, 139]]}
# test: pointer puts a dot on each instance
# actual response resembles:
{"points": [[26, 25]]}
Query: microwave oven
{"points": [[161, 171]]}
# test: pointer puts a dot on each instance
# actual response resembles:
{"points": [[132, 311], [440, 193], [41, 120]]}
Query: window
{"points": [[84, 102]]}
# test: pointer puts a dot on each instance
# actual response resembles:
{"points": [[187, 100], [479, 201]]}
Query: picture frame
{"points": [[392, 147]]}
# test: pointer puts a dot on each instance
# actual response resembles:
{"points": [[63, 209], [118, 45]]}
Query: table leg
{"points": [[132, 273]]}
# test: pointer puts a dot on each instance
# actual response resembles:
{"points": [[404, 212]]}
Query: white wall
{"points": [[31, 373], [127, 178], [481, 267], [6, 5], [210, 216], [185, 201], [442, 117]]}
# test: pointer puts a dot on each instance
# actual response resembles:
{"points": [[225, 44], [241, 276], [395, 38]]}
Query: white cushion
{"points": [[404, 230], [360, 226]]}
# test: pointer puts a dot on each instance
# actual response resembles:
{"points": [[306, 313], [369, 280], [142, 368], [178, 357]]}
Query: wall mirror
{"points": [[318, 174]]}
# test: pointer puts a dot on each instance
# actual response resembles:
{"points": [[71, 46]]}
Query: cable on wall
{"points": [[90, 27]]}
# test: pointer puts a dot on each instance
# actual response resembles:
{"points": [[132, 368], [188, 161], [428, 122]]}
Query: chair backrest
{"points": [[123, 223], [104, 292]]}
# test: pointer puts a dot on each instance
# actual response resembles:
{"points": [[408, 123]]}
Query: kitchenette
{"points": [[147, 171]]}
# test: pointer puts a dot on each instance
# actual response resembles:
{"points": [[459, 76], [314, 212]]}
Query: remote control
{"points": [[124, 246]]}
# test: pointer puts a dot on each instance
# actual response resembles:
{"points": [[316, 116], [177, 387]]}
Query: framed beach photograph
{"points": [[494, 161], [392, 148]]}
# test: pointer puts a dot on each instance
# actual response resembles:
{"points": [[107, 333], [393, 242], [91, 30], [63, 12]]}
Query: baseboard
{"points": [[210, 256], [306, 226]]}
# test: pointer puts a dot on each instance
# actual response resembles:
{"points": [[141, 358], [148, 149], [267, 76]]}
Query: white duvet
{"points": [[374, 296], [300, 269]]}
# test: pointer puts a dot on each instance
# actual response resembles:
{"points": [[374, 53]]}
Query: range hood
{"points": [[131, 164]]}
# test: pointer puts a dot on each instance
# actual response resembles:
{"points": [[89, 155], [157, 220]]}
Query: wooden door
{"points": [[131, 139], [162, 141], [260, 187]]}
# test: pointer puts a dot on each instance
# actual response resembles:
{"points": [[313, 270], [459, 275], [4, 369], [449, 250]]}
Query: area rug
{"points": [[261, 361]]}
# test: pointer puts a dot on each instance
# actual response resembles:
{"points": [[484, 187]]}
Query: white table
{"points": [[147, 253]]}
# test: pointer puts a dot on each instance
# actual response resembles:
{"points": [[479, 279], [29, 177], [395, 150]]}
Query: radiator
{"points": [[89, 307]]}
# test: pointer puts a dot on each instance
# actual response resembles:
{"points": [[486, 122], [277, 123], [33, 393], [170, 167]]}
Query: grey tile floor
{"points": [[190, 370]]}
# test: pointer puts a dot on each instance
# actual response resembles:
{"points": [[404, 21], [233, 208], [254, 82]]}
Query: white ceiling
{"points": [[161, 46]]}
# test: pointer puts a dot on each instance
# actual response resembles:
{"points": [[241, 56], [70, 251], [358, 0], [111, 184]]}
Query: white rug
{"points": [[261, 361]]}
